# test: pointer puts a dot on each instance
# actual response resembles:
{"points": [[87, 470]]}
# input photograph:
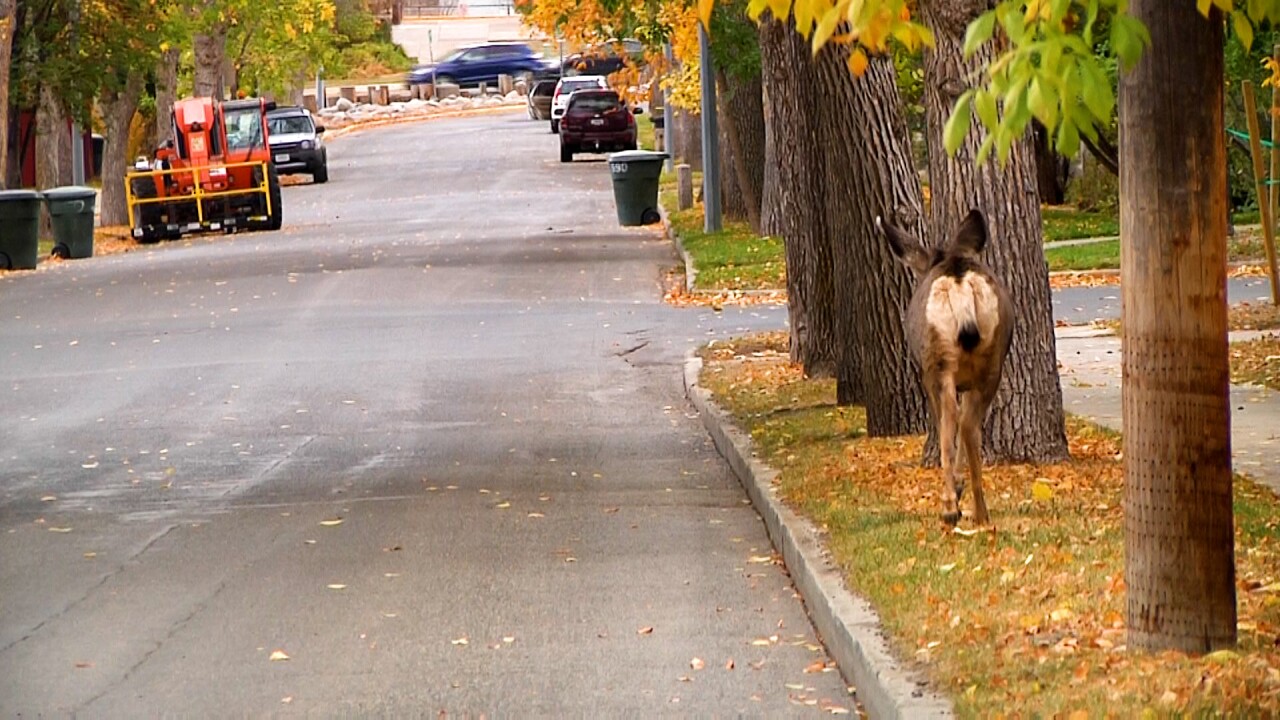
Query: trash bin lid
{"points": [[637, 156], [70, 192], [18, 195]]}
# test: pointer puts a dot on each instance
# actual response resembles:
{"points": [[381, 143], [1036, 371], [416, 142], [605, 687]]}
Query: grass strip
{"points": [[1025, 620]]}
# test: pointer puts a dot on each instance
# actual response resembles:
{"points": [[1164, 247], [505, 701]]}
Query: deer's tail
{"points": [[960, 296]]}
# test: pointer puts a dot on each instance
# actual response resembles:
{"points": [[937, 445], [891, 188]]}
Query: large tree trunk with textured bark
{"points": [[166, 94], [1026, 420], [1179, 559], [868, 173], [210, 58], [732, 203], [8, 20], [796, 194], [742, 121], [118, 108], [51, 129]]}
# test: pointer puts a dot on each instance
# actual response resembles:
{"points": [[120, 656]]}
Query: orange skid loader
{"points": [[216, 173]]}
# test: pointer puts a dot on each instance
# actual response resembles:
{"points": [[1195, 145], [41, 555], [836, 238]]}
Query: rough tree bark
{"points": [[1051, 168], [732, 202], [118, 108], [166, 94], [794, 209], [1026, 419], [210, 57], [742, 121], [1179, 559], [8, 19], [868, 173]]}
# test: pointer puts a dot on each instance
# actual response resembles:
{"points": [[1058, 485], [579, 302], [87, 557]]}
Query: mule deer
{"points": [[958, 325]]}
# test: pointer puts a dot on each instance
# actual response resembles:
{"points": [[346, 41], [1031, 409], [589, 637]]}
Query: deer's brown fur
{"points": [[959, 326]]}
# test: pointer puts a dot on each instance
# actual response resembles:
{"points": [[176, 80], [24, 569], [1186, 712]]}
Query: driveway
{"points": [[429, 443]]}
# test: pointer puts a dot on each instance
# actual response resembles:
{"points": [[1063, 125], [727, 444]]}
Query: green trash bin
{"points": [[19, 229], [635, 185], [71, 210]]}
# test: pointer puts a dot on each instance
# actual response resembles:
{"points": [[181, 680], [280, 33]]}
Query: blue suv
{"points": [[475, 64]]}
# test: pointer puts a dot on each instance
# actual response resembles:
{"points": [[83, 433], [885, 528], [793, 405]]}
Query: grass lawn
{"points": [[1067, 223], [1028, 619], [734, 258], [1244, 245], [645, 132]]}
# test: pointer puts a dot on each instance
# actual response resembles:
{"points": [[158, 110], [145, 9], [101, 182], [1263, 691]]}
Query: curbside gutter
{"points": [[690, 270], [849, 627]]}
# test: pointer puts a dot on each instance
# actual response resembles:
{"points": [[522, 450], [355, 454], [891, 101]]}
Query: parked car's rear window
{"points": [[289, 124], [595, 102], [571, 85]]}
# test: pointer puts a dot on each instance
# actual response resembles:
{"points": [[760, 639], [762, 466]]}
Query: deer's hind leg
{"points": [[947, 412], [973, 411]]}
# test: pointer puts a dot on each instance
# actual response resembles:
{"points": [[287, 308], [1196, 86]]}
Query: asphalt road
{"points": [[453, 350]]}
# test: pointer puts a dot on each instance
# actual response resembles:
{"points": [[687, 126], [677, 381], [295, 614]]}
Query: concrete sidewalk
{"points": [[1091, 379]]}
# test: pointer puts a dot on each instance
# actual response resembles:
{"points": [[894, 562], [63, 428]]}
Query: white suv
{"points": [[565, 88]]}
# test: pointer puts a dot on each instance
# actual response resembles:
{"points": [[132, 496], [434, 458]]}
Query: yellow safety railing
{"points": [[198, 193]]}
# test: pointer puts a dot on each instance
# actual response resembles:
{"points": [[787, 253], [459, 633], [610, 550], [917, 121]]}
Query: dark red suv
{"points": [[596, 121]]}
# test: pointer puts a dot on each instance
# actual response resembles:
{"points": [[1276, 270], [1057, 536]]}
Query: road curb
{"points": [[849, 627], [690, 271]]}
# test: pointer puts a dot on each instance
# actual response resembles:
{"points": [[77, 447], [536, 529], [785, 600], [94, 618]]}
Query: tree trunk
{"points": [[210, 57], [166, 94], [50, 126], [118, 109], [1051, 168], [869, 173], [1026, 419], [732, 203], [688, 145], [742, 113], [1179, 559], [8, 19], [795, 211]]}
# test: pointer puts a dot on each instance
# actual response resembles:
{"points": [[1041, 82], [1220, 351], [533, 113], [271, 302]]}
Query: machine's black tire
{"points": [[5, 262], [566, 154], [144, 188], [555, 127], [650, 216], [321, 172], [276, 219], [60, 251]]}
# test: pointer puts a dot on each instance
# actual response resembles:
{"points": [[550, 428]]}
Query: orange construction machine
{"points": [[216, 173]]}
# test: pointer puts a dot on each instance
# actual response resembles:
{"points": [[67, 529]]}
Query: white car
{"points": [[565, 88]]}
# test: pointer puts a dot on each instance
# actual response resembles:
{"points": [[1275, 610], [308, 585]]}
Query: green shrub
{"points": [[1096, 189]]}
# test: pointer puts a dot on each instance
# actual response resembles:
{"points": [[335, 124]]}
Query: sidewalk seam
{"points": [[847, 624]]}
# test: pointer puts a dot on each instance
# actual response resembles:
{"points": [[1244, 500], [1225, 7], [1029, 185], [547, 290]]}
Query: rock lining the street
{"points": [[344, 113]]}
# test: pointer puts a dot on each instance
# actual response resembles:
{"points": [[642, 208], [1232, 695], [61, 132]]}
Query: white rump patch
{"points": [[955, 303]]}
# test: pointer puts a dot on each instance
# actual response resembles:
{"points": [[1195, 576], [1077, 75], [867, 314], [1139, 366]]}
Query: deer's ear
{"points": [[905, 247], [972, 234]]}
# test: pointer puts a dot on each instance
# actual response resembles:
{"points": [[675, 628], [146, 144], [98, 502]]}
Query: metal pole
{"points": [[77, 137], [668, 121], [710, 138]]}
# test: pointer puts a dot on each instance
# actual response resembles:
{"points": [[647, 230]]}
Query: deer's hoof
{"points": [[951, 518], [959, 491]]}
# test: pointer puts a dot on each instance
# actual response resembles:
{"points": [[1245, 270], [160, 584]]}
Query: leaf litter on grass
{"points": [[1026, 617]]}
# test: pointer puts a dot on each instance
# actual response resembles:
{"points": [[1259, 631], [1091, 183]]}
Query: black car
{"points": [[295, 143]]}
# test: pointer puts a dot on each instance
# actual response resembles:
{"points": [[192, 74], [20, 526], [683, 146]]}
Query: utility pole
{"points": [[77, 137], [668, 119], [710, 137]]}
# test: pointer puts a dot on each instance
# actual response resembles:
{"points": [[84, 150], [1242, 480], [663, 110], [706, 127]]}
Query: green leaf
{"points": [[1243, 28], [1096, 89], [1043, 101], [1068, 138], [985, 103], [957, 127], [978, 32], [826, 28], [984, 150]]}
